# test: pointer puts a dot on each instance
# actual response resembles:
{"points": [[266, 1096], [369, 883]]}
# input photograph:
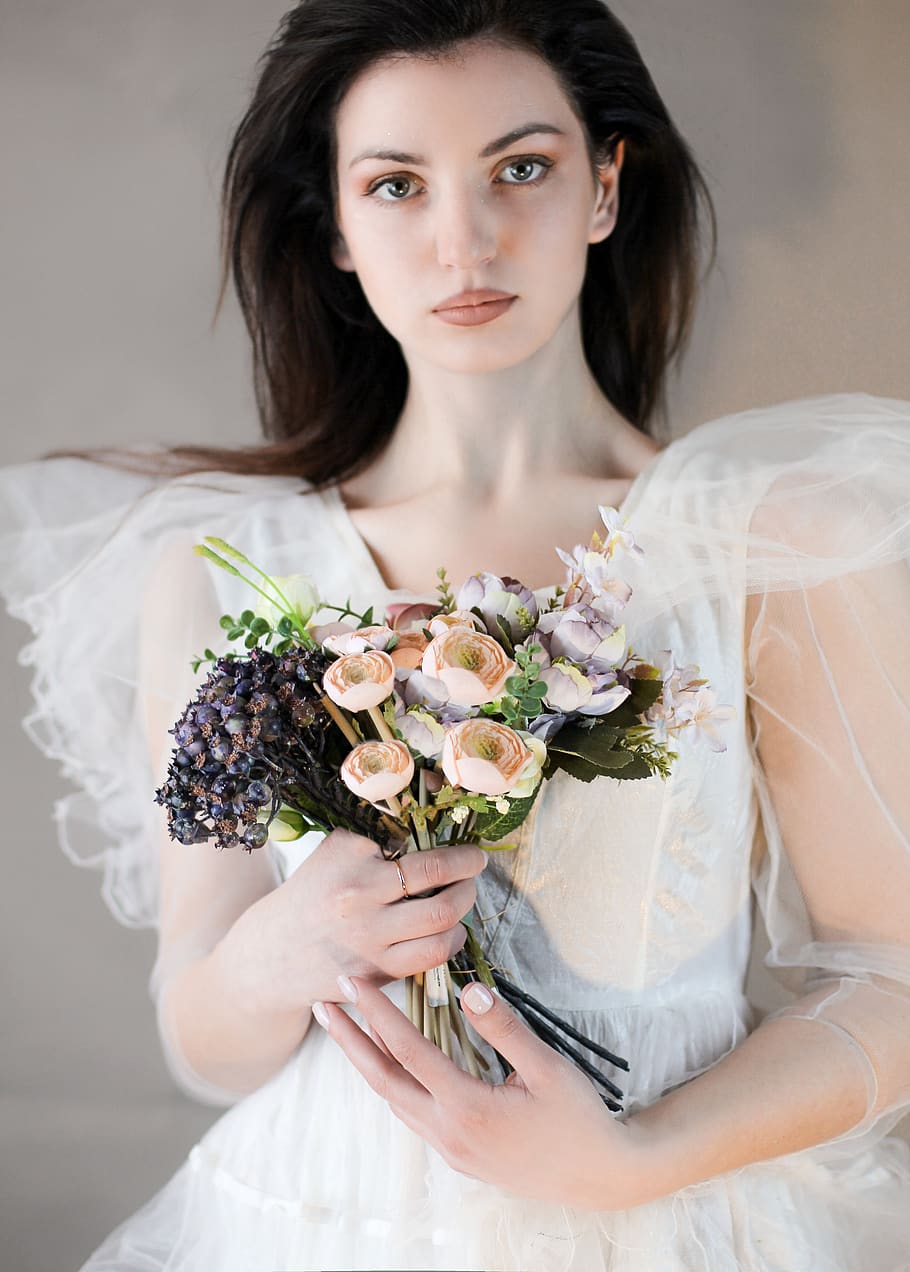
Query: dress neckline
{"points": [[365, 562]]}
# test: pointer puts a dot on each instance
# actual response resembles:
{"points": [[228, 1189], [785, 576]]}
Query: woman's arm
{"points": [[829, 672], [216, 1039], [786, 1087]]}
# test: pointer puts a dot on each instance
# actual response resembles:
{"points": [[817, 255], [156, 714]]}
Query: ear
{"points": [[341, 257], [606, 209]]}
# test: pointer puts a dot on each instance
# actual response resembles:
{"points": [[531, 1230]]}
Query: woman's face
{"points": [[435, 198]]}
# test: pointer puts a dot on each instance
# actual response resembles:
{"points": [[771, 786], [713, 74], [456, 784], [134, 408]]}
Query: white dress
{"points": [[628, 907]]}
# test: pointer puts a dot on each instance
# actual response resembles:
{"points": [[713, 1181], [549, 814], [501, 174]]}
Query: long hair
{"points": [[330, 382]]}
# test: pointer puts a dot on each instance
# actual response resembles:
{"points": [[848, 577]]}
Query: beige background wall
{"points": [[114, 117]]}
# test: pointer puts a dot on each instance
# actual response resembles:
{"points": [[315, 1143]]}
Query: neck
{"points": [[489, 436]]}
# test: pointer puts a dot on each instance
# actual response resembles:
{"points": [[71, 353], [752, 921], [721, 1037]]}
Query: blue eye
{"points": [[389, 182], [525, 167]]}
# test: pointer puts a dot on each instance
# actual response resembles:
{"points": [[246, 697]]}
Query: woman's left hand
{"points": [[544, 1133]]}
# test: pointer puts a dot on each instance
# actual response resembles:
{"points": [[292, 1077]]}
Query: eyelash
{"points": [[534, 160]]}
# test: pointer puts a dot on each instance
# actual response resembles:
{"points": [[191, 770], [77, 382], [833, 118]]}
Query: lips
{"points": [[468, 299], [474, 308]]}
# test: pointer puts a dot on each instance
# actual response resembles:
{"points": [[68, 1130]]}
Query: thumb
{"points": [[501, 1026]]}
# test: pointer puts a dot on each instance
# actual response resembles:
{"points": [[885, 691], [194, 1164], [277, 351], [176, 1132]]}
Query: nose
{"points": [[465, 233]]}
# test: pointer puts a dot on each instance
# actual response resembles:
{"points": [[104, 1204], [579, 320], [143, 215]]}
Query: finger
{"points": [[380, 1044], [416, 1055], [425, 871], [406, 958], [425, 916], [376, 1064], [500, 1025]]}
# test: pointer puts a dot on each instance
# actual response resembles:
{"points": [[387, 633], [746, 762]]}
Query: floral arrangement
{"points": [[436, 725]]}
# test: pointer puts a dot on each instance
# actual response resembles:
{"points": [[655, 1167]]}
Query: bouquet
{"points": [[437, 724]]}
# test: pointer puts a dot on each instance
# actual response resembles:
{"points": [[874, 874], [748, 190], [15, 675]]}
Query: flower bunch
{"points": [[436, 724]]}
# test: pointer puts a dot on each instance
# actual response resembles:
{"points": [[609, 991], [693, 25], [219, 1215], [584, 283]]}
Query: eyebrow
{"points": [[494, 147]]}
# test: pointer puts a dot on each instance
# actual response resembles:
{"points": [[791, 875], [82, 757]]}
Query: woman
{"points": [[465, 240]]}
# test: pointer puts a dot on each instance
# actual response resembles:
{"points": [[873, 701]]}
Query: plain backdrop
{"points": [[114, 121]]}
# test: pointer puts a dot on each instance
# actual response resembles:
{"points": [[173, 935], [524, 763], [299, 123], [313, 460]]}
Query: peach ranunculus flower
{"points": [[359, 640], [376, 771], [458, 618], [360, 681], [410, 650], [483, 756], [473, 667]]}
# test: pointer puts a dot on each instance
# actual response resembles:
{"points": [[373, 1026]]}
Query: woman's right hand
{"points": [[343, 911]]}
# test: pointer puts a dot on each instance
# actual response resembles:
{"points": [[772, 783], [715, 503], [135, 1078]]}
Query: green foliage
{"points": [[444, 591], [493, 825], [525, 690], [610, 749]]}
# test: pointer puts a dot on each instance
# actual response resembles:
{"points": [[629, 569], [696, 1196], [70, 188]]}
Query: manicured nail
{"points": [[478, 998], [321, 1015], [347, 988]]}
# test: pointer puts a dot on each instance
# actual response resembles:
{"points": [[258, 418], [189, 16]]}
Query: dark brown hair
{"points": [[330, 381]]}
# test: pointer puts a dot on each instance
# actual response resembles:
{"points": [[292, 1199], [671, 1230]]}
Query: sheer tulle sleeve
{"points": [[828, 675], [99, 564], [795, 519], [203, 891]]}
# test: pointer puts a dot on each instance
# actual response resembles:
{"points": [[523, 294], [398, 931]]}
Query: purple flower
{"points": [[582, 636], [497, 597], [568, 688]]}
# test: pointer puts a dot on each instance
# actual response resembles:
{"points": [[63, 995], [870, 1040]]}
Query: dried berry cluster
{"points": [[237, 742]]}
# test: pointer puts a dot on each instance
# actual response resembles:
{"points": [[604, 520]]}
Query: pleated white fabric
{"points": [[776, 545]]}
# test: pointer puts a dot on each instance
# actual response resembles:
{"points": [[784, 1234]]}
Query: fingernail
{"points": [[347, 988], [321, 1015], [478, 998]]}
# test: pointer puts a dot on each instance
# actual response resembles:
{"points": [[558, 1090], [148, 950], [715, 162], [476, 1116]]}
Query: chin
{"points": [[482, 353]]}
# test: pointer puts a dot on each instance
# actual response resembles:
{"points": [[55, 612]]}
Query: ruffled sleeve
{"points": [[98, 562], [61, 573]]}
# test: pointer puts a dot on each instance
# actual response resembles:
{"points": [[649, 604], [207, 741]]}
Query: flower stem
{"points": [[467, 1047], [383, 731], [481, 966], [340, 720]]}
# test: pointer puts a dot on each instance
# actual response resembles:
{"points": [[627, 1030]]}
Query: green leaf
{"points": [[592, 743], [366, 619], [575, 766], [536, 690], [235, 633], [644, 694], [639, 768], [209, 654], [505, 636], [493, 825], [250, 641], [226, 621], [247, 617], [285, 627], [260, 626], [516, 684]]}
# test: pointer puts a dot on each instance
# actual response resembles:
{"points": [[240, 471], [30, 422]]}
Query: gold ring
{"points": [[404, 886]]}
